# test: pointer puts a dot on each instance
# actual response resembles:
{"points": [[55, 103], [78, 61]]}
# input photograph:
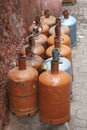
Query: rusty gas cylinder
{"points": [[42, 27], [22, 86], [65, 51], [33, 60], [65, 40], [48, 19], [37, 49], [54, 94], [40, 39], [64, 29]]}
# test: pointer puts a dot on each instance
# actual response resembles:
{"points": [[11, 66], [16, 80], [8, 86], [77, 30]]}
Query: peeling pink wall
{"points": [[49, 4], [12, 33], [29, 10]]}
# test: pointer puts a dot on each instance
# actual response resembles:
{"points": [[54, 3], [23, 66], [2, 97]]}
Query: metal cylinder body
{"points": [[37, 49], [48, 19], [64, 64], [40, 39], [35, 61], [65, 51], [65, 39], [64, 30], [22, 86], [71, 22], [54, 97], [45, 28]]}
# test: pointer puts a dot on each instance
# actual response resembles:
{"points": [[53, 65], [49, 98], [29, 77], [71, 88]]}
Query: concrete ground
{"points": [[78, 120]]}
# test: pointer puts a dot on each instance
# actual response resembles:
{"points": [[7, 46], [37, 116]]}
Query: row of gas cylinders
{"points": [[42, 78]]}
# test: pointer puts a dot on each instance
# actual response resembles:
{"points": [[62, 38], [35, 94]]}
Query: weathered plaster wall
{"points": [[12, 32]]}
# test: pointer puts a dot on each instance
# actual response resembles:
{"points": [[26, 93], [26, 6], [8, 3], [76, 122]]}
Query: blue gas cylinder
{"points": [[64, 64], [71, 22]]}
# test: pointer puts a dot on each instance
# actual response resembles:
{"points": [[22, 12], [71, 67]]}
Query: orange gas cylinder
{"points": [[40, 39], [33, 60], [37, 49], [54, 94], [63, 29], [22, 86], [43, 28], [48, 19], [65, 51], [65, 39]]}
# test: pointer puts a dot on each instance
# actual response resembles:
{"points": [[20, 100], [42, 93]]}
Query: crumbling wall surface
{"points": [[49, 4], [12, 34], [54, 6], [29, 10]]}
